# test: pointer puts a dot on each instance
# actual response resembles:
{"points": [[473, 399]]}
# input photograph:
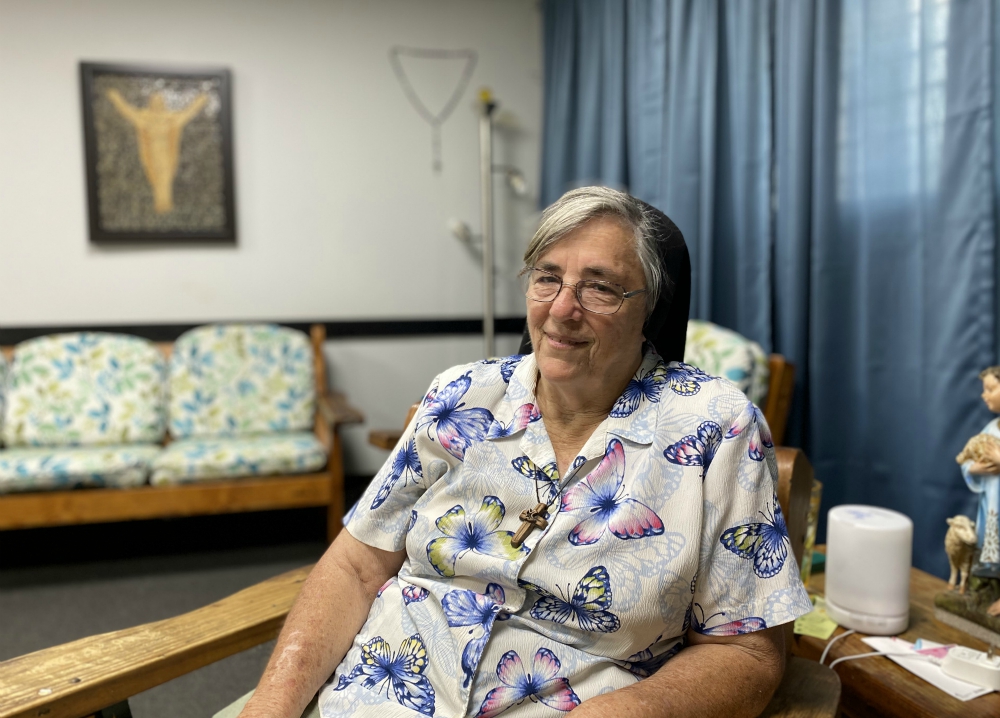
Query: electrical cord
{"points": [[830, 643]]}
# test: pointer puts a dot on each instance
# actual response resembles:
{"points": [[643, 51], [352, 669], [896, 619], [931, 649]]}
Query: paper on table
{"points": [[924, 668], [816, 623]]}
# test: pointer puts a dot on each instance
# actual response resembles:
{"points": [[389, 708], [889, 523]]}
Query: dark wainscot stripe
{"points": [[334, 329]]}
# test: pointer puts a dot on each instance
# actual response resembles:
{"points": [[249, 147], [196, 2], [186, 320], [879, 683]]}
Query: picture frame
{"points": [[158, 153]]}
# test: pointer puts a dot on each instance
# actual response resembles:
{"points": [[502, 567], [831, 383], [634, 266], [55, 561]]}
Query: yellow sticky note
{"points": [[816, 623]]}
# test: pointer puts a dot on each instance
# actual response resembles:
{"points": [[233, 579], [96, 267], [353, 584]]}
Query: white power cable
{"points": [[829, 645]]}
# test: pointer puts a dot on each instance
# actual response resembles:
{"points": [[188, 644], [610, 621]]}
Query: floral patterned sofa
{"points": [[251, 426]]}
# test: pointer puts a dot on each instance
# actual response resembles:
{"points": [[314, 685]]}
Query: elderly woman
{"points": [[585, 528]]}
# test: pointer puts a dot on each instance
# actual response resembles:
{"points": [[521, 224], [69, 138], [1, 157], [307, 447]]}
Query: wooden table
{"points": [[879, 687]]}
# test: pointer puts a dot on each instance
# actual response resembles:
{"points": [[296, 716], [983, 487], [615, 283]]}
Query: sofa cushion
{"points": [[3, 390], [85, 388], [265, 454], [239, 379], [723, 352], [38, 468]]}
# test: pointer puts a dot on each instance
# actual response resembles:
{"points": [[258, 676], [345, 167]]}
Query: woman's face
{"points": [[570, 343]]}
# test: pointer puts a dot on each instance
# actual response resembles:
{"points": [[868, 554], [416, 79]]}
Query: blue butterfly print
{"points": [[685, 379], [696, 450], [405, 464], [578, 462], [643, 386], [456, 428], [402, 671], [751, 420], [413, 521], [764, 543], [542, 684], [477, 531], [546, 478], [732, 628], [414, 594], [507, 365], [463, 607], [525, 414], [600, 495], [588, 605], [644, 664]]}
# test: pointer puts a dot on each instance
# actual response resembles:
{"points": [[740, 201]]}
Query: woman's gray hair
{"points": [[579, 206]]}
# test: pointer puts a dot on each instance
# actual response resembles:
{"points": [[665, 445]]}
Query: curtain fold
{"points": [[831, 163]]}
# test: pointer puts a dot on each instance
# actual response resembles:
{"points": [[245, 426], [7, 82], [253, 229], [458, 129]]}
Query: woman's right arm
{"points": [[331, 608]]}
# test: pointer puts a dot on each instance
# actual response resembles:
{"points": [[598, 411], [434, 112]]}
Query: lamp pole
{"points": [[486, 186]]}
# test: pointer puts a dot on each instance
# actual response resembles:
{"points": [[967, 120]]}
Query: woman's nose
{"points": [[565, 304]]}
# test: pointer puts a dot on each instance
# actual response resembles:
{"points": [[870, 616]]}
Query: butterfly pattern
{"points": [[456, 428], [601, 496], [403, 672], [541, 684], [730, 628], [534, 629], [507, 365], [646, 386], [473, 532], [405, 465], [546, 477], [468, 608], [684, 379], [587, 606], [696, 449], [414, 594], [765, 542], [751, 420], [524, 415]]}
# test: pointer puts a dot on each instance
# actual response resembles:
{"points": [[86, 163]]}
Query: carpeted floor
{"points": [[57, 585]]}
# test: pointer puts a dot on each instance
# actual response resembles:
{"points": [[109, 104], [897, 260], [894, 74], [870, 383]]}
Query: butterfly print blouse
{"points": [[666, 522]]}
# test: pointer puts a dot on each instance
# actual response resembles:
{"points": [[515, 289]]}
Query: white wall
{"points": [[339, 213]]}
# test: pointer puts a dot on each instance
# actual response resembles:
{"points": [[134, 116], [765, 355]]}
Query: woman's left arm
{"points": [[713, 676]]}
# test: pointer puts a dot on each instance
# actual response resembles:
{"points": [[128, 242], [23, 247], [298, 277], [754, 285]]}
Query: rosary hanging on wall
{"points": [[435, 120]]}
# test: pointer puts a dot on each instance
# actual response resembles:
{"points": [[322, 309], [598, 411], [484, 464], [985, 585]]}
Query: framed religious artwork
{"points": [[159, 153]]}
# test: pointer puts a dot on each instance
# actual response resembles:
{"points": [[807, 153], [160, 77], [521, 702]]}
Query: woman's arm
{"points": [[713, 676], [330, 610]]}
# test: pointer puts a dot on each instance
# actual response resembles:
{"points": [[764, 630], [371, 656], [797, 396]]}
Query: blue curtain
{"points": [[832, 166]]}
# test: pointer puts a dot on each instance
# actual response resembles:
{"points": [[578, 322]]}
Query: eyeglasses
{"points": [[594, 295]]}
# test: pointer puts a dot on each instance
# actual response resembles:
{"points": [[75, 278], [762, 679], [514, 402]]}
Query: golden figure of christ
{"points": [[158, 131], [530, 520]]}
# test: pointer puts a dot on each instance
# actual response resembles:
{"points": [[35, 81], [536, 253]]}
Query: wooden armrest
{"points": [[781, 384], [384, 438], [795, 480], [335, 409], [82, 677]]}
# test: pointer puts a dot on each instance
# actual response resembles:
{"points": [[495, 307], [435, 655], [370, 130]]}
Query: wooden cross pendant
{"points": [[530, 518]]}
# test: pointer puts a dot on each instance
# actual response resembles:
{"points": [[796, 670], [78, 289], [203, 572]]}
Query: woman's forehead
{"points": [[602, 246]]}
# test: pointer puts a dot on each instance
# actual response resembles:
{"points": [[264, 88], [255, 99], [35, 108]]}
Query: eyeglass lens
{"points": [[593, 295]]}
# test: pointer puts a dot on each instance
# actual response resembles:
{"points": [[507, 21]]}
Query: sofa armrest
{"points": [[336, 409], [80, 678]]}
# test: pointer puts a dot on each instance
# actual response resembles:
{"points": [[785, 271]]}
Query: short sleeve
{"points": [[385, 512], [747, 579]]}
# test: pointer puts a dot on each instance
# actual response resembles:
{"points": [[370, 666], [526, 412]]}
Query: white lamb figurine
{"points": [[960, 545]]}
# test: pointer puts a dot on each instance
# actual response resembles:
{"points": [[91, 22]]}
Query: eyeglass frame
{"points": [[626, 294]]}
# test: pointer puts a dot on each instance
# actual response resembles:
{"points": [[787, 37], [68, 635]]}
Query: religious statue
{"points": [[980, 462], [158, 131]]}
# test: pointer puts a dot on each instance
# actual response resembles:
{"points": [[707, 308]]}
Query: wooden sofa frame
{"points": [[81, 679], [105, 505]]}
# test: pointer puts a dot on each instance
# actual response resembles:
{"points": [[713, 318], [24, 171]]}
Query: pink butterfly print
{"points": [[752, 420], [525, 414], [542, 684], [414, 594], [601, 495], [732, 628], [384, 586]]}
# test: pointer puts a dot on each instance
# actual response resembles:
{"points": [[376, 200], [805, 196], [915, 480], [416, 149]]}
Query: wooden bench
{"points": [[325, 488]]}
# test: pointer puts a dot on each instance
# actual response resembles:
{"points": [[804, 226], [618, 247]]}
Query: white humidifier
{"points": [[868, 555]]}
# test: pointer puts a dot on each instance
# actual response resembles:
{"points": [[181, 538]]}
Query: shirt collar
{"points": [[638, 426]]}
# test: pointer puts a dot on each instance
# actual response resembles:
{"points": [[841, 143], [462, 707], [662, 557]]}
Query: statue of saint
{"points": [[158, 131], [980, 460]]}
